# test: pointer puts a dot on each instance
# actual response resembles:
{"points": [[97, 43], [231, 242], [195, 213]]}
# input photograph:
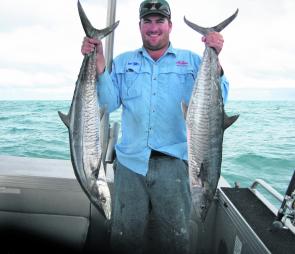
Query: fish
{"points": [[102, 184], [84, 126], [205, 123]]}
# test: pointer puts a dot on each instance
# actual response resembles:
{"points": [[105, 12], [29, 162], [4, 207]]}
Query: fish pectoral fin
{"points": [[229, 120], [102, 112], [184, 108], [64, 118]]}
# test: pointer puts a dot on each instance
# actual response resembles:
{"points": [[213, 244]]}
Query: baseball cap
{"points": [[154, 7]]}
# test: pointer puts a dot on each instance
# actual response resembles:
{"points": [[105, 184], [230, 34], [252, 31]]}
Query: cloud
{"points": [[40, 42], [29, 78]]}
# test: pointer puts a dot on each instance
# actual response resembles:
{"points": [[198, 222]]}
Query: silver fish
{"points": [[206, 122], [102, 185], [83, 122]]}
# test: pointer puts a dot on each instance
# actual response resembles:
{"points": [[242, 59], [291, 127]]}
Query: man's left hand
{"points": [[214, 40]]}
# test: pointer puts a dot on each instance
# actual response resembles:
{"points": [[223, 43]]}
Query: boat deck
{"points": [[43, 208], [260, 218]]}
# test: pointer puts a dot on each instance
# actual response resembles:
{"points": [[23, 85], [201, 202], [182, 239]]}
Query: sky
{"points": [[40, 44]]}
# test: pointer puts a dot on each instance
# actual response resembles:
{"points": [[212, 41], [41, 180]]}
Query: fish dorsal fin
{"points": [[184, 108], [206, 30], [90, 31], [229, 120], [64, 118]]}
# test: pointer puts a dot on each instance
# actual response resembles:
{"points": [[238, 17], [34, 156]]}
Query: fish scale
{"points": [[91, 122], [205, 121], [87, 144]]}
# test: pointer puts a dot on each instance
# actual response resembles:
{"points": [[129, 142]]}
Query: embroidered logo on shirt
{"points": [[129, 66], [181, 63], [133, 63]]}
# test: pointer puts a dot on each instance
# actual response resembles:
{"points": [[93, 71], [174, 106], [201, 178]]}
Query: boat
{"points": [[44, 210]]}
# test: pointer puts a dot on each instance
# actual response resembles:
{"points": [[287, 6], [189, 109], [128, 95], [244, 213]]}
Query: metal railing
{"points": [[270, 190], [285, 221]]}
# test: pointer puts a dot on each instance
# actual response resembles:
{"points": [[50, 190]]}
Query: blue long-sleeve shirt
{"points": [[151, 93]]}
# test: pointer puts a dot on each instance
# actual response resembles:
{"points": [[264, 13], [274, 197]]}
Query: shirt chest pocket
{"points": [[176, 77], [132, 78]]}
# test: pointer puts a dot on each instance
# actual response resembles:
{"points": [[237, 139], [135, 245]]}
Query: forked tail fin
{"points": [[206, 30], [90, 30]]}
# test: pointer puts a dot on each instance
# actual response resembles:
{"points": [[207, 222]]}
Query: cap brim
{"points": [[151, 12]]}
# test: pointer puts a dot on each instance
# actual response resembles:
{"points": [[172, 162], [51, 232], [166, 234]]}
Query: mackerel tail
{"points": [[218, 28], [90, 31], [83, 124]]}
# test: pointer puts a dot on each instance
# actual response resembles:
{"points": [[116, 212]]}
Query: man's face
{"points": [[155, 30]]}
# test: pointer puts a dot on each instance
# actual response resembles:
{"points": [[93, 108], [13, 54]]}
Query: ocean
{"points": [[261, 144]]}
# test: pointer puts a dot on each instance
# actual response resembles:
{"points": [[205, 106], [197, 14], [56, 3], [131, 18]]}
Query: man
{"points": [[151, 206]]}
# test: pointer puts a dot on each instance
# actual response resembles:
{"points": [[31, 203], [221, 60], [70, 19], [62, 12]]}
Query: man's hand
{"points": [[88, 46], [214, 40]]}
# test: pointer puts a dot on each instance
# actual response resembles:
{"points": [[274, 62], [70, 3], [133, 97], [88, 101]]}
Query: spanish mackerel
{"points": [[206, 122], [83, 122]]}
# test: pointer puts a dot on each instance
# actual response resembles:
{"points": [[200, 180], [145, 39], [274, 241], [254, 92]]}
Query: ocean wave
{"points": [[261, 144]]}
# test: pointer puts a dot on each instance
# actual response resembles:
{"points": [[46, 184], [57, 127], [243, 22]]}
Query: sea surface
{"points": [[261, 144]]}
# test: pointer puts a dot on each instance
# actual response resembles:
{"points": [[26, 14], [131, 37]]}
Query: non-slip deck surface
{"points": [[260, 218]]}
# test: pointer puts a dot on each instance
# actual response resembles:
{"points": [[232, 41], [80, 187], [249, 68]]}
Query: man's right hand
{"points": [[88, 45]]}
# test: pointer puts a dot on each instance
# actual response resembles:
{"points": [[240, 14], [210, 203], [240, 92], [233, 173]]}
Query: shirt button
{"points": [[155, 78]]}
